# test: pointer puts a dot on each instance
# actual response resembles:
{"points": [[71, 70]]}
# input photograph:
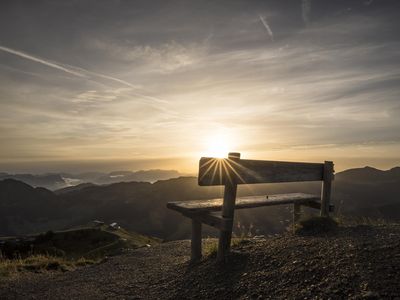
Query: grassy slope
{"points": [[93, 241], [65, 250]]}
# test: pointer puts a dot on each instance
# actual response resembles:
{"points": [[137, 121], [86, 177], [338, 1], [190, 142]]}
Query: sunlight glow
{"points": [[218, 145]]}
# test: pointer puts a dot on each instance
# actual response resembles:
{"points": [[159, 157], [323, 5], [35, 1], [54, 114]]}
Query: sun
{"points": [[217, 145]]}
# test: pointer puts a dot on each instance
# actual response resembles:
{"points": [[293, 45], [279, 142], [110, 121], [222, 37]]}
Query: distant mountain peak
{"points": [[371, 168], [14, 182], [369, 174]]}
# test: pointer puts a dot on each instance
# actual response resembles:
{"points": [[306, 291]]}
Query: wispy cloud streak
{"points": [[265, 23], [76, 71]]}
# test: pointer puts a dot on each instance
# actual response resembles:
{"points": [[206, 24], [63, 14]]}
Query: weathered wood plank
{"points": [[201, 206], [214, 171]]}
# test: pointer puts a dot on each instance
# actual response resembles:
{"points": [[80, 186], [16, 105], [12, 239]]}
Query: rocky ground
{"points": [[358, 262]]}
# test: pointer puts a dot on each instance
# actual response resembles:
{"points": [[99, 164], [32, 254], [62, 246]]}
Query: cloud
{"points": [[164, 58], [322, 86]]}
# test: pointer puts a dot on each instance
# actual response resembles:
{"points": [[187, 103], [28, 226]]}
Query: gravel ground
{"points": [[361, 262]]}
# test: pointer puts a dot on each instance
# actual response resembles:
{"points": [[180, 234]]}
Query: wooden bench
{"points": [[233, 171]]}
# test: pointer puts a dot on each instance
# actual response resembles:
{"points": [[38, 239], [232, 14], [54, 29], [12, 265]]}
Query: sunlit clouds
{"points": [[295, 80]]}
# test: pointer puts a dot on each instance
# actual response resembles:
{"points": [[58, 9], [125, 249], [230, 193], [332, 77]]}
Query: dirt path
{"points": [[360, 262]]}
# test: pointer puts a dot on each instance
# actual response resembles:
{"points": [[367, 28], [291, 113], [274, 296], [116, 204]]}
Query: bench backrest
{"points": [[216, 171], [232, 171]]}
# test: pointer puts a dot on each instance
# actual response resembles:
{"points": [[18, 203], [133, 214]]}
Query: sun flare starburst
{"points": [[217, 145]]}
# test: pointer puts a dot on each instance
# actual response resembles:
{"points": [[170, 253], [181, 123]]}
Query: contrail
{"points": [[41, 61], [305, 10], [80, 72], [264, 22]]}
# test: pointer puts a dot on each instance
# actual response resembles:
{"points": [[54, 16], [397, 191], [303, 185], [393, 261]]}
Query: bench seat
{"points": [[202, 206]]}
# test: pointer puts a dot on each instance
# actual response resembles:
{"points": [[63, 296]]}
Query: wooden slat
{"points": [[201, 206], [214, 171]]}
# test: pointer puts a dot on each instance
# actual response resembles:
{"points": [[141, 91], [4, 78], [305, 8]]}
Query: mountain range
{"points": [[54, 181], [141, 206]]}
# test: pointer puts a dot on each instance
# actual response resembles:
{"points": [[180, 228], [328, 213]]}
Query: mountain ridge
{"points": [[140, 206], [56, 181]]}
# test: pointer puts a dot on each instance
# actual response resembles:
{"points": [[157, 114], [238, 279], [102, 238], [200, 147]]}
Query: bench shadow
{"points": [[211, 279]]}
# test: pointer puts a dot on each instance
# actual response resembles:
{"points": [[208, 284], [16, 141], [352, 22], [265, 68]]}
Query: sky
{"points": [[108, 85]]}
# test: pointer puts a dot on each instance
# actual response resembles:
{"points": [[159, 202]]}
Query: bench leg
{"points": [[196, 241], [296, 213], [326, 188], [224, 244], [228, 211]]}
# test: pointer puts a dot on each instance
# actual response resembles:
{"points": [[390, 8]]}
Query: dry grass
{"points": [[39, 264], [354, 220], [210, 246]]}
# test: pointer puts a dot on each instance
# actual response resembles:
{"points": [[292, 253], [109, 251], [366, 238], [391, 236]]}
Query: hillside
{"points": [[140, 206], [86, 241], [24, 209], [355, 262]]}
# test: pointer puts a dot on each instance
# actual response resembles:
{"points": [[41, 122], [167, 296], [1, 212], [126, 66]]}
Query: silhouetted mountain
{"points": [[140, 206], [49, 181], [73, 188], [26, 209], [369, 175], [126, 176], [62, 180], [368, 192]]}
